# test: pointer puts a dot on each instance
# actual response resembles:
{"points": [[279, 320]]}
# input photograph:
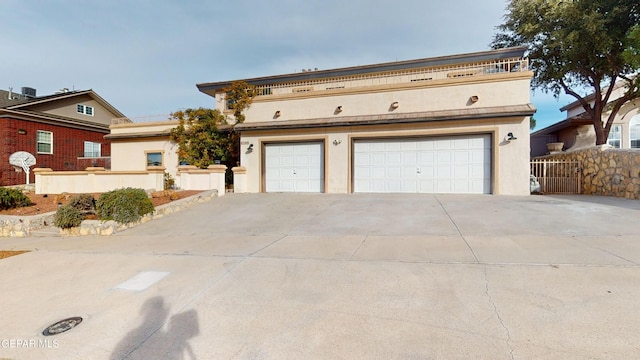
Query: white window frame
{"points": [[92, 149], [39, 141], [154, 152], [85, 109], [615, 129], [634, 127]]}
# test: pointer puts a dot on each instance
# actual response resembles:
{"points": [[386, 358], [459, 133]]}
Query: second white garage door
{"points": [[294, 167], [453, 164]]}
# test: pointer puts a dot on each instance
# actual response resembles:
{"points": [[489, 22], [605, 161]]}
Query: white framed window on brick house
{"points": [[92, 149], [615, 135], [44, 141], [84, 109]]}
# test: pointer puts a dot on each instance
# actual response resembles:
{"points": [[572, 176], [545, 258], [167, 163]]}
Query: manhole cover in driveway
{"points": [[62, 326]]}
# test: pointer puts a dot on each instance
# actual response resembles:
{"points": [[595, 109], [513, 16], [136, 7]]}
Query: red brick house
{"points": [[64, 131]]}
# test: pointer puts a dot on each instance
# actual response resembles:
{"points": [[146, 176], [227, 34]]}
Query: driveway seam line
{"points": [[605, 251], [359, 246], [266, 246], [457, 229]]}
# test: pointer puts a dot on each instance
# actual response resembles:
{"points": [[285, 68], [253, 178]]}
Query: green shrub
{"points": [[67, 217], [13, 198], [124, 205], [85, 203]]}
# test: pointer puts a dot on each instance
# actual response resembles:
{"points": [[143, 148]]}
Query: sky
{"points": [[146, 57]]}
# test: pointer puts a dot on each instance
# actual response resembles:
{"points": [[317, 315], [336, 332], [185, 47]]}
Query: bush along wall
{"points": [[606, 171], [124, 206], [13, 198]]}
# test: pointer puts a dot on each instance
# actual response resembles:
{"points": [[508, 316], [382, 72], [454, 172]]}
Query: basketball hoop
{"points": [[22, 161]]}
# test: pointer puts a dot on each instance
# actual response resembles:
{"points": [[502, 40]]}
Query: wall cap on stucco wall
{"points": [[217, 168], [194, 169], [38, 170], [155, 169], [239, 170]]}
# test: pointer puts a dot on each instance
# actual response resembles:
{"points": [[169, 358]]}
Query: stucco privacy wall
{"points": [[96, 180], [606, 171]]}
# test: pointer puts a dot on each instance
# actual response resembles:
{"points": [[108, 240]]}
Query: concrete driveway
{"points": [[291, 276]]}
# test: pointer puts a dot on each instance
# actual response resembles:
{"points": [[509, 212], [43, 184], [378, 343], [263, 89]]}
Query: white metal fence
{"points": [[558, 176]]}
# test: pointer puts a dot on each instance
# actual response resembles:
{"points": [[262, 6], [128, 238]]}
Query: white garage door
{"points": [[453, 164], [294, 167]]}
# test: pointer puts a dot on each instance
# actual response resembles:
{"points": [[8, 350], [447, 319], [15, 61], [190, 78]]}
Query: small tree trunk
{"points": [[601, 134]]}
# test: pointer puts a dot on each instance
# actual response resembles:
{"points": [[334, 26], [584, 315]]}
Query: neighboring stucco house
{"points": [[577, 132], [143, 146], [64, 131], [452, 124]]}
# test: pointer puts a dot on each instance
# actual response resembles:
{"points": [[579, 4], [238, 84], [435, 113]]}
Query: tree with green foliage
{"points": [[532, 123], [239, 96], [204, 135], [199, 138], [579, 45]]}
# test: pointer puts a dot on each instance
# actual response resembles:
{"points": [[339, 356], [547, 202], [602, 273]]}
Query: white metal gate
{"points": [[557, 176]]}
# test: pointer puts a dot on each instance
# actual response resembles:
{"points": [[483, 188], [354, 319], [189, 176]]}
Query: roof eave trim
{"points": [[420, 117], [381, 67]]}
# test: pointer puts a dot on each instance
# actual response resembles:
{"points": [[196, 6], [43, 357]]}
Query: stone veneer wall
{"points": [[606, 171], [22, 226]]}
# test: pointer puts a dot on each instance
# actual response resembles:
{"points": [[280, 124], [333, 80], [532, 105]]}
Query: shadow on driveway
{"points": [[151, 341]]}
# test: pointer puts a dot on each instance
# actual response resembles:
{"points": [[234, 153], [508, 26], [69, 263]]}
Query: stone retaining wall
{"points": [[606, 171], [22, 226], [105, 228]]}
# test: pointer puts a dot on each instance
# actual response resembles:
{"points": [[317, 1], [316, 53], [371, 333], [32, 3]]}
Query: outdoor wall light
{"points": [[337, 142], [474, 98], [339, 109], [394, 105], [510, 137], [250, 148], [277, 113]]}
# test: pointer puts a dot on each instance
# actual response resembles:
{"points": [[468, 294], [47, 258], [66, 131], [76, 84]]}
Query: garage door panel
{"points": [[425, 157], [442, 144], [461, 156], [461, 172], [294, 167], [443, 157], [425, 145], [443, 187], [456, 164], [378, 159]]}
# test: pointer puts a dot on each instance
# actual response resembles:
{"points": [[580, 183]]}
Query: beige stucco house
{"points": [[143, 146], [577, 132], [452, 124]]}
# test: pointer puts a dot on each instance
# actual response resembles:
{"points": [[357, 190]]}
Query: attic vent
{"points": [[29, 92]]}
